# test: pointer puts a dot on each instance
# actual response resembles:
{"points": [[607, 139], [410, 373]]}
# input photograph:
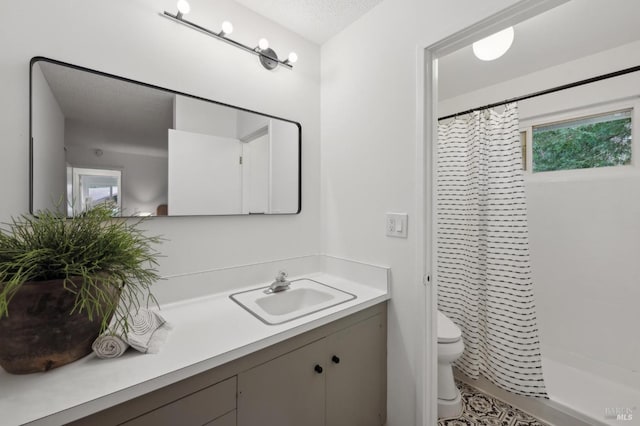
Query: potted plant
{"points": [[63, 280]]}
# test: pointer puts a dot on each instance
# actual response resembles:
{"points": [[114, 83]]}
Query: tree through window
{"points": [[597, 141]]}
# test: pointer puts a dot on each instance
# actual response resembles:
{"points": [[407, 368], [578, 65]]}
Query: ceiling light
{"points": [[494, 46]]}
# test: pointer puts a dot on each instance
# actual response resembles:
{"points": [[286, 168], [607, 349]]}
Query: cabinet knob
{"points": [[335, 359], [318, 369]]}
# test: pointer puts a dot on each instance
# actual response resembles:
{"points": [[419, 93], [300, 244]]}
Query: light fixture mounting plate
{"points": [[268, 58]]}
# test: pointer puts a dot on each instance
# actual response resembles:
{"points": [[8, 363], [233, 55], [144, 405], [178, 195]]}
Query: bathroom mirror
{"points": [[151, 151]]}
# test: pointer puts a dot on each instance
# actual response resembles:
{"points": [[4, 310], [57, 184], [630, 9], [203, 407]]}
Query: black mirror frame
{"points": [[36, 59]]}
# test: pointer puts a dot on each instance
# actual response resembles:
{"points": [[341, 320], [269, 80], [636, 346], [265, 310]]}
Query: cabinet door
{"points": [[286, 391], [356, 375]]}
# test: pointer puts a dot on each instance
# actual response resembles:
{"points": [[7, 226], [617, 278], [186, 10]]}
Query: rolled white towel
{"points": [[109, 345], [147, 331]]}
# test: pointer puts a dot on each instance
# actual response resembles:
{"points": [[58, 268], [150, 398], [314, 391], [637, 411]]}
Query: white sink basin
{"points": [[303, 297]]}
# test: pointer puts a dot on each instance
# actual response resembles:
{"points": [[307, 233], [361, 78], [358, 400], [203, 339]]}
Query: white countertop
{"points": [[206, 332]]}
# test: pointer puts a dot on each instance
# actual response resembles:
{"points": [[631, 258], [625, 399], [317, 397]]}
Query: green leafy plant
{"points": [[106, 255], [586, 146]]}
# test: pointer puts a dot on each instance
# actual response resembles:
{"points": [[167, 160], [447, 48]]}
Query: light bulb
{"points": [[263, 44], [494, 46], [293, 58], [183, 7], [227, 27]]}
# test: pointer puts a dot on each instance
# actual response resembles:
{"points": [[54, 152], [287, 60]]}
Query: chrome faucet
{"points": [[280, 284]]}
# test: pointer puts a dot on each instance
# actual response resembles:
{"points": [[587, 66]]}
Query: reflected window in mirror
{"points": [[88, 188]]}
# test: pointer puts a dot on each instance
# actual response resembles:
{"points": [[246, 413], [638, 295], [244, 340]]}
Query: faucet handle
{"points": [[282, 276]]}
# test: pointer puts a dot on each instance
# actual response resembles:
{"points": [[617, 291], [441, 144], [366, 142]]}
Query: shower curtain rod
{"points": [[546, 92]]}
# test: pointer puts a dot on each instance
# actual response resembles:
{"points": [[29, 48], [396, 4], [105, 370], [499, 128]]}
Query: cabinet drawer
{"points": [[195, 409]]}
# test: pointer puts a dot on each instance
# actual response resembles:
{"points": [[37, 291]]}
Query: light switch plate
{"points": [[396, 225]]}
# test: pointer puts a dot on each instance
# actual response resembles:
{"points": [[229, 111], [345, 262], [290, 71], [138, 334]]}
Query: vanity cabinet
{"points": [[333, 375], [356, 379], [339, 380], [286, 391]]}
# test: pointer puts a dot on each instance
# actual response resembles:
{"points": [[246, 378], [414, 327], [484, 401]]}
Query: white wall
{"points": [[249, 123], [583, 225], [369, 92], [130, 39], [284, 166], [194, 115], [48, 141]]}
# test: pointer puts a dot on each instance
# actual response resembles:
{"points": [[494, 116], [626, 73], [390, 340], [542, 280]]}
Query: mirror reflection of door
{"points": [[204, 174], [91, 187], [256, 173]]}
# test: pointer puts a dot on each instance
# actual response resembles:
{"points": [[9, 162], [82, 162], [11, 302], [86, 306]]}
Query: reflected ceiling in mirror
{"points": [[150, 151]]}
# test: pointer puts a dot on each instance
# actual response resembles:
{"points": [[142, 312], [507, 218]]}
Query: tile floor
{"points": [[483, 410]]}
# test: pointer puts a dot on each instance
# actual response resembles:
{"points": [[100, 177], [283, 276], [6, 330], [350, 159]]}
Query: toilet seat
{"points": [[448, 332]]}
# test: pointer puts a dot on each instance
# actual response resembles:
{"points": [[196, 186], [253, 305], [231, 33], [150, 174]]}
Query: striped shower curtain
{"points": [[484, 274]]}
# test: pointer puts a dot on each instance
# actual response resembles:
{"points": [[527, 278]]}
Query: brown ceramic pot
{"points": [[40, 333]]}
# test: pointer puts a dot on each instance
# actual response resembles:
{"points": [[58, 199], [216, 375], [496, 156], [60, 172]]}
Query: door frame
{"points": [[77, 202], [427, 135]]}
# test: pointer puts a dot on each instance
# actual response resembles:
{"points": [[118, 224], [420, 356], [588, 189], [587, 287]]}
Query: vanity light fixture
{"points": [[268, 57], [494, 46], [183, 8], [292, 59], [227, 28], [263, 44]]}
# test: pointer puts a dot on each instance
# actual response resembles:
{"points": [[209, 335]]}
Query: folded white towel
{"points": [[147, 332], [109, 346]]}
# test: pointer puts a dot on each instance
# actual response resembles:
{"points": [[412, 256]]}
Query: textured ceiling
{"points": [[105, 103], [315, 20], [573, 30]]}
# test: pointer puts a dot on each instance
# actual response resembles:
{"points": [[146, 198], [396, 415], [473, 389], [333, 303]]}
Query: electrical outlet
{"points": [[391, 224], [396, 225]]}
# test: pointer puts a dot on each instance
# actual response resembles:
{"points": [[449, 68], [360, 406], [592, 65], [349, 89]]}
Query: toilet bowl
{"points": [[450, 347]]}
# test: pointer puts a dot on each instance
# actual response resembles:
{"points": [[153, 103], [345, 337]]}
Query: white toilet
{"points": [[450, 347]]}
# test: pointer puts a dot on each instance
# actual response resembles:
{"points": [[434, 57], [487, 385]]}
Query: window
{"points": [[87, 188], [595, 141]]}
